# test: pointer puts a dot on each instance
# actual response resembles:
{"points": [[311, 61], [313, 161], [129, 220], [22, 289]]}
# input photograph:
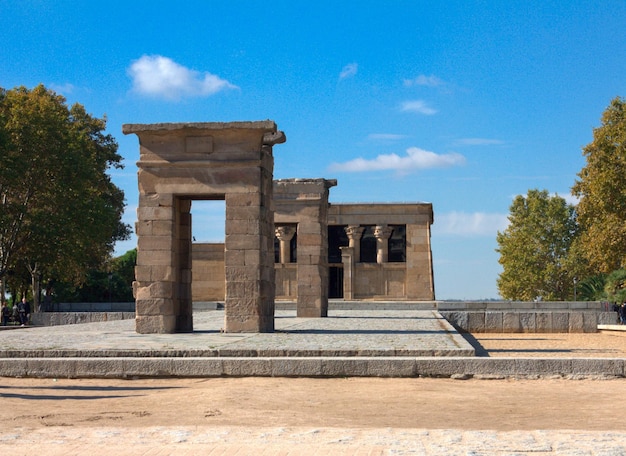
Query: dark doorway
{"points": [[335, 279]]}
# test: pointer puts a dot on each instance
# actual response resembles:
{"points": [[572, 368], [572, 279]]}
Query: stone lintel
{"points": [[380, 213], [267, 126], [294, 183], [155, 166]]}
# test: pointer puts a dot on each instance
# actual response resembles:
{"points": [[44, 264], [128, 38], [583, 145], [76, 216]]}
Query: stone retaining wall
{"points": [[523, 305], [466, 316], [93, 307], [529, 321], [377, 366], [71, 318]]}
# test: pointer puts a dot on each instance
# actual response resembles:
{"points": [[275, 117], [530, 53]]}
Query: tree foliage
{"points": [[113, 283], [601, 188], [592, 288], [615, 286], [60, 214], [534, 248]]}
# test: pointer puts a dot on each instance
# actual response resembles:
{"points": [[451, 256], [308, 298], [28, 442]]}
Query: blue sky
{"points": [[463, 104]]}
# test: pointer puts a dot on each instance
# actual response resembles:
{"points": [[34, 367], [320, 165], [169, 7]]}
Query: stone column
{"points": [[354, 233], [313, 267], [249, 254], [382, 234], [155, 273], [285, 235], [347, 258], [305, 202]]}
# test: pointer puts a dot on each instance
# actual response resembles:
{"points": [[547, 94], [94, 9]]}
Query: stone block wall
{"points": [[286, 281], [382, 280], [528, 320], [209, 280], [420, 283], [72, 318]]}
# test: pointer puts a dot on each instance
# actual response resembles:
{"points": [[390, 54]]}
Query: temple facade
{"points": [[360, 251]]}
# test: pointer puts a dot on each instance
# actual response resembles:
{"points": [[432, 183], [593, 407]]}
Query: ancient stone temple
{"points": [[322, 250], [284, 240], [183, 162]]}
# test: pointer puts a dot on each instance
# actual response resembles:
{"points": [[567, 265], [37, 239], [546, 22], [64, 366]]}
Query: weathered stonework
{"points": [[182, 162], [411, 280], [302, 211], [303, 204]]}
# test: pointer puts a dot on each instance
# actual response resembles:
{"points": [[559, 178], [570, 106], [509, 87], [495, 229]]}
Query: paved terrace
{"points": [[373, 342]]}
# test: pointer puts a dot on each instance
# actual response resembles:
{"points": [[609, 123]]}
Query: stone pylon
{"points": [[182, 162]]}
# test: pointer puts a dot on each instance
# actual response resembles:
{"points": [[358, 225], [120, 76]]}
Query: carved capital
{"points": [[354, 231], [382, 232], [284, 233]]}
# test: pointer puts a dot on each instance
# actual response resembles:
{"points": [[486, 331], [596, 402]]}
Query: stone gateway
{"points": [[182, 162]]}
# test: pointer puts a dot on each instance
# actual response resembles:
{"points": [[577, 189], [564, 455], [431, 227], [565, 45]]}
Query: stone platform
{"points": [[382, 343]]}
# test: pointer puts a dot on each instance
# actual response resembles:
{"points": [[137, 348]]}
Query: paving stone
{"points": [[385, 343]]}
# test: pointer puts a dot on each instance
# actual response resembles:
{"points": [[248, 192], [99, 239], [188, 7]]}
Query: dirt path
{"points": [[288, 402]]}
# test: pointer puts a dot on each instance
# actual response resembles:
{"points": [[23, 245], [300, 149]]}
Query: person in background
{"points": [[6, 313], [23, 310]]}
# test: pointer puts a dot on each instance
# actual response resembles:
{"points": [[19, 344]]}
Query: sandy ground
{"points": [[604, 344], [71, 416], [302, 416], [297, 402]]}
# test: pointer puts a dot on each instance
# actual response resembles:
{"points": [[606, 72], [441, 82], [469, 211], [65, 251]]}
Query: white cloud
{"points": [[161, 77], [349, 70], [423, 80], [569, 198], [66, 88], [478, 142], [470, 224], [414, 159], [418, 106], [385, 137]]}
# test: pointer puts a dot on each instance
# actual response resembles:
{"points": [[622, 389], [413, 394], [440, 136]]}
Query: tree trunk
{"points": [[35, 279]]}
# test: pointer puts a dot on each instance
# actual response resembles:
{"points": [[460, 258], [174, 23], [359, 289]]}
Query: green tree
{"points": [[601, 189], [60, 214], [592, 288], [534, 248], [615, 286], [111, 283], [123, 269]]}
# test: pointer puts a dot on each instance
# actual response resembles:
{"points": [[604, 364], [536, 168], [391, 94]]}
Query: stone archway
{"points": [[182, 162]]}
